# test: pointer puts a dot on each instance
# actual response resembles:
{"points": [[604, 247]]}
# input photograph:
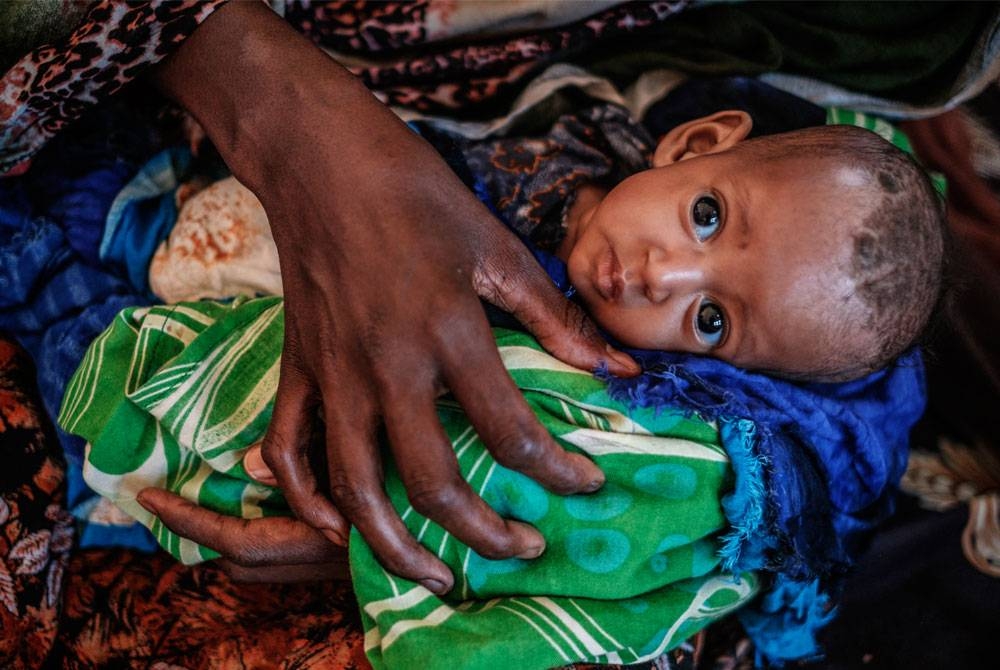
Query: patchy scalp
{"points": [[898, 243], [888, 182]]}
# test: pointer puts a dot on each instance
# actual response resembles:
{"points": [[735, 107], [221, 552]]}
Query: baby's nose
{"points": [[667, 274]]}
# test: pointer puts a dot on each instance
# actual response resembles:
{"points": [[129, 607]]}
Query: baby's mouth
{"points": [[610, 284]]}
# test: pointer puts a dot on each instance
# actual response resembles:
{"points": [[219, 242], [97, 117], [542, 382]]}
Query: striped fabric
{"points": [[173, 395]]}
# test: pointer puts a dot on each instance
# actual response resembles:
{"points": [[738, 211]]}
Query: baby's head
{"points": [[814, 255]]}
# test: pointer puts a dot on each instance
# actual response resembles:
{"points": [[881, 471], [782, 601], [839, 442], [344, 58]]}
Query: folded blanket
{"points": [[172, 396]]}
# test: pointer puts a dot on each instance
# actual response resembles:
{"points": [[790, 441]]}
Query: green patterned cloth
{"points": [[172, 396]]}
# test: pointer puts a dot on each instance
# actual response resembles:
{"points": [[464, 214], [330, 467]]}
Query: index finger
{"points": [[511, 279], [498, 411]]}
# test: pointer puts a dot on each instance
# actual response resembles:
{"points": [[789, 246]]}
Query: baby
{"points": [[812, 255]]}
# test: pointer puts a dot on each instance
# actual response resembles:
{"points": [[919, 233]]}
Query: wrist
{"points": [[259, 89]]}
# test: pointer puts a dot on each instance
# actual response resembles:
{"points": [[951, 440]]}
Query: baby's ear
{"points": [[707, 135]]}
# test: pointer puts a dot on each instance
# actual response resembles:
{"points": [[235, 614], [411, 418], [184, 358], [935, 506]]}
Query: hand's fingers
{"points": [[356, 488], [307, 572], [253, 463], [501, 416], [248, 542], [513, 281], [286, 450], [436, 489]]}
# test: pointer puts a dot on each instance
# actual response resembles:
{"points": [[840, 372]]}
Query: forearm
{"points": [[264, 93]]}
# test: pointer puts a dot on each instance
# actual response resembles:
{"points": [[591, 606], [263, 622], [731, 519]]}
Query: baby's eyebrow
{"points": [[738, 214]]}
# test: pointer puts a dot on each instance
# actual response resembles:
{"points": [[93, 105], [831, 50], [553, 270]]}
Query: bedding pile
{"points": [[786, 444], [102, 224]]}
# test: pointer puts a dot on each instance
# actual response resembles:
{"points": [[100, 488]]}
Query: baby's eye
{"points": [[706, 218], [710, 323]]}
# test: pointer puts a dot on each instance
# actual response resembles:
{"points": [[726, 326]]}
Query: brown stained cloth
{"points": [[964, 361]]}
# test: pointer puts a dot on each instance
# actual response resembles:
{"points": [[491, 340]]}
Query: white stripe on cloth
{"points": [[413, 597], [572, 625], [435, 618], [545, 636], [544, 618], [600, 443]]}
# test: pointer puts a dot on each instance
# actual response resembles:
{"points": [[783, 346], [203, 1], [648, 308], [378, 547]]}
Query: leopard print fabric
{"points": [[445, 78], [361, 27], [55, 83]]}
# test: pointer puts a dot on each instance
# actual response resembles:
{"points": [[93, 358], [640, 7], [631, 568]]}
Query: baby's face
{"points": [[713, 255]]}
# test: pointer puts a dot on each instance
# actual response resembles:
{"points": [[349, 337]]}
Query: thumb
{"points": [[514, 282], [254, 465]]}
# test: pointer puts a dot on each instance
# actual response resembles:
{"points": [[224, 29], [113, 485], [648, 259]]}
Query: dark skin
{"points": [[384, 257]]}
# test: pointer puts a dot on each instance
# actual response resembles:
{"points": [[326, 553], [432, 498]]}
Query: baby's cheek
{"points": [[629, 326]]}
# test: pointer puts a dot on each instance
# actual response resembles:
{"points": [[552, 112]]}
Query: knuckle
{"points": [[518, 449], [350, 498], [386, 379], [433, 498], [279, 455], [404, 377], [496, 284], [443, 332], [496, 547], [273, 447]]}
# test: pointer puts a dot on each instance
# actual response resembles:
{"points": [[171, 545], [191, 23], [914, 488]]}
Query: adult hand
{"points": [[272, 549], [384, 256]]}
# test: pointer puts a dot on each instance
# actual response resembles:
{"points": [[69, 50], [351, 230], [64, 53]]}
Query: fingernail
{"points": [[593, 486], [434, 586], [623, 359], [532, 552], [336, 537], [146, 503], [252, 470], [259, 473]]}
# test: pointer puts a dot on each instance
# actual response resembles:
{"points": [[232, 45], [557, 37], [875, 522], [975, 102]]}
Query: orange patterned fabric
{"points": [[36, 533], [129, 609]]}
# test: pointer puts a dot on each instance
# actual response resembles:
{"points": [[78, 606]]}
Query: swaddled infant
{"points": [[813, 255]]}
